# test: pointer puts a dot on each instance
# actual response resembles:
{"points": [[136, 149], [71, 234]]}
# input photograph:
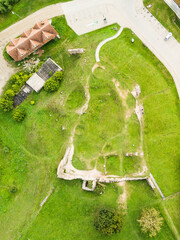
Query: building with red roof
{"points": [[31, 40]]}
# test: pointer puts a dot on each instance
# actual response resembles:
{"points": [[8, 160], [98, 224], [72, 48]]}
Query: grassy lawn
{"points": [[24, 8], [172, 206], [69, 213], [165, 16], [160, 100], [30, 151]]}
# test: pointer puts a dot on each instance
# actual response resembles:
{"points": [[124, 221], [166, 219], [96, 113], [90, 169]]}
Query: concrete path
{"points": [[104, 42], [16, 29], [87, 15]]}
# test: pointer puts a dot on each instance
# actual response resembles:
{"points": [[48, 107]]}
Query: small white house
{"points": [[175, 6]]}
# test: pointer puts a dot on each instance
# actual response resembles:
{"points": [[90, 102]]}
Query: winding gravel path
{"points": [[104, 42]]}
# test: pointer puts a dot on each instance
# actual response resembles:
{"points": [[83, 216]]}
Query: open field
{"points": [[161, 105], [165, 16], [24, 8], [32, 150], [71, 209]]}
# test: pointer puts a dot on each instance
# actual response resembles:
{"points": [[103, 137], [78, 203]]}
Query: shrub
{"points": [[32, 102], [150, 221], [9, 94], [6, 5], [99, 189], [51, 85], [19, 115], [58, 76], [18, 80], [16, 88], [108, 221], [13, 189], [6, 104]]}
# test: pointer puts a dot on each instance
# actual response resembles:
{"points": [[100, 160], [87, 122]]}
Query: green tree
{"points": [[6, 104], [19, 115], [6, 5], [59, 75], [108, 221], [9, 94], [150, 221], [51, 85]]}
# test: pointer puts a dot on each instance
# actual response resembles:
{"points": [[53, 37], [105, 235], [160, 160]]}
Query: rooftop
{"points": [[35, 82], [31, 40]]}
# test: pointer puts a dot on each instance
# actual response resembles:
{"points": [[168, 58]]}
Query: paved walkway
{"points": [[104, 42], [87, 15]]}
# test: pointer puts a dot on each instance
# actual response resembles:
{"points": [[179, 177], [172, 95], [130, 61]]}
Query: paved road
{"points": [[87, 15]]}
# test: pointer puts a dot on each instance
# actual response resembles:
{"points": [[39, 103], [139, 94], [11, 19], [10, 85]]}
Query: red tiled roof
{"points": [[32, 39]]}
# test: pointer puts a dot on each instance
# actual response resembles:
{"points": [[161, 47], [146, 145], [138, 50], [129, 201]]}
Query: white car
{"points": [[168, 36]]}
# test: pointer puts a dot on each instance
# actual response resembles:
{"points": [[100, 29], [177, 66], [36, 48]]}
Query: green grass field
{"points": [[165, 16], [31, 151]]}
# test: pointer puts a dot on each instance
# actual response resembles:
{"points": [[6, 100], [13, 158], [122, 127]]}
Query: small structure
{"points": [[31, 40], [87, 188], [37, 81], [76, 51], [174, 5]]}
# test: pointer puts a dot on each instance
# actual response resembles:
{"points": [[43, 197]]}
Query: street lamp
{"points": [[16, 14]]}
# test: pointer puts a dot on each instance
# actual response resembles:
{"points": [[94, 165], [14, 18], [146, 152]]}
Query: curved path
{"points": [[105, 41], [87, 15]]}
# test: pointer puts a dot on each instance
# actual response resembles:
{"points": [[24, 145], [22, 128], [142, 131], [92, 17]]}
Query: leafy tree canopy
{"points": [[150, 221], [108, 221], [19, 115], [6, 5]]}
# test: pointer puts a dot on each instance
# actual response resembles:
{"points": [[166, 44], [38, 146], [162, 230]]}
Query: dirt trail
{"points": [[122, 200], [83, 109], [66, 169]]}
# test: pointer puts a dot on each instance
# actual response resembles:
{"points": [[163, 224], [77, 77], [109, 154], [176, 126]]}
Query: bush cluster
{"points": [[108, 221], [16, 81], [53, 83], [6, 5], [19, 115], [6, 102]]}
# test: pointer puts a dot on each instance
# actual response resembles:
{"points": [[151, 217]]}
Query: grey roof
{"points": [[35, 82], [48, 69], [22, 95]]}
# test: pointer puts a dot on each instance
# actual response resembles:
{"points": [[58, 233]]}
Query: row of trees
{"points": [[109, 221], [6, 5]]}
